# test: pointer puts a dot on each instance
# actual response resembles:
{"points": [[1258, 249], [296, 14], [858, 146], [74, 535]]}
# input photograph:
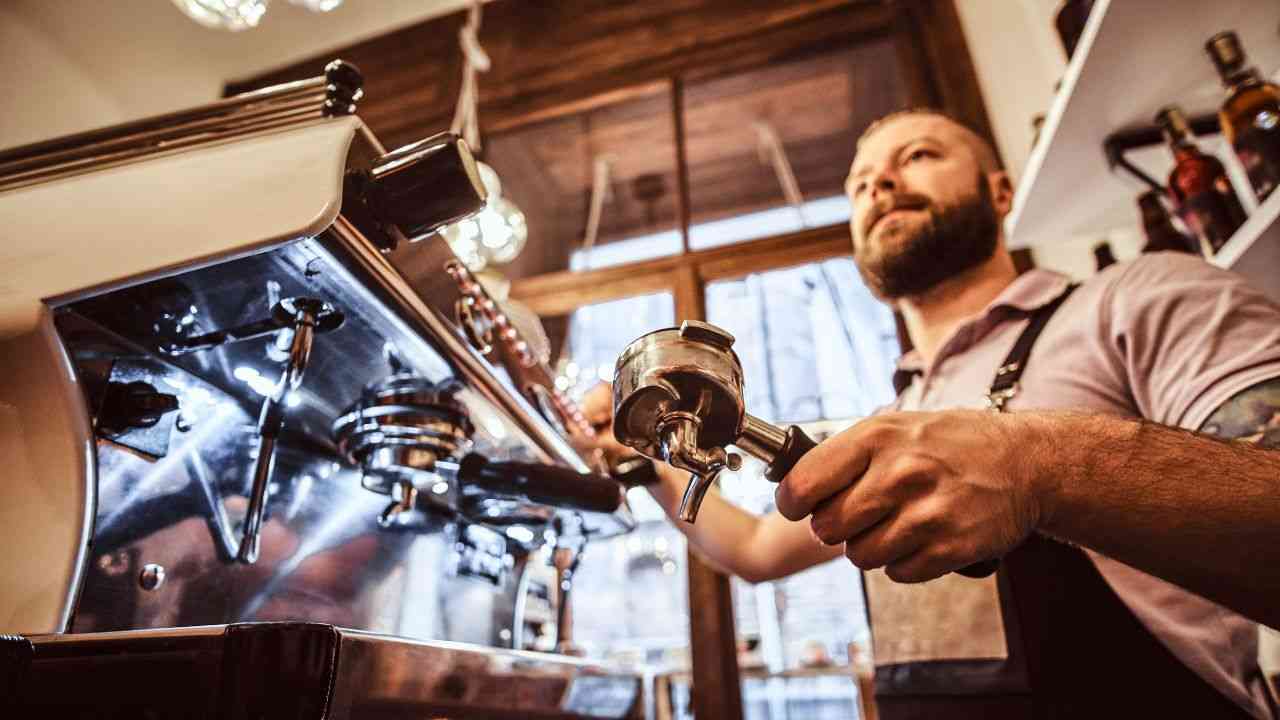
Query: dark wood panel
{"points": [[551, 54]]}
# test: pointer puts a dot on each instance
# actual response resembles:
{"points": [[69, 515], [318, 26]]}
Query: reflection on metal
{"points": [[324, 555], [303, 670]]}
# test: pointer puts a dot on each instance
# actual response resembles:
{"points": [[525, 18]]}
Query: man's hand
{"points": [[597, 406], [922, 494]]}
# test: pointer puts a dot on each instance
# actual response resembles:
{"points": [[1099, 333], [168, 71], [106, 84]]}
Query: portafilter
{"points": [[677, 397]]}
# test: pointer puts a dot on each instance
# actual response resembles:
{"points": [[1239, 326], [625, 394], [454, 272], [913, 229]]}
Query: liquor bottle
{"points": [[1250, 115], [1159, 228], [1198, 184], [1103, 258], [1070, 21]]}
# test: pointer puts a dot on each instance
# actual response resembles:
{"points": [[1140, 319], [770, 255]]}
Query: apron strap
{"points": [[1005, 384]]}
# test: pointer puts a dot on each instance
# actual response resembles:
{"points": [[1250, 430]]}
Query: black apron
{"points": [[1074, 649]]}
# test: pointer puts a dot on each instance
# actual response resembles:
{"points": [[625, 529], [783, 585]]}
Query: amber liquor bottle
{"points": [[1162, 235], [1250, 115], [1198, 185]]}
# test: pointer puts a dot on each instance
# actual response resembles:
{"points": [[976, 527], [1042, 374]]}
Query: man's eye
{"points": [[919, 154], [859, 188]]}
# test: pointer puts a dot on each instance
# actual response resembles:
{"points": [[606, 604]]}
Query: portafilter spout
{"points": [[677, 396]]}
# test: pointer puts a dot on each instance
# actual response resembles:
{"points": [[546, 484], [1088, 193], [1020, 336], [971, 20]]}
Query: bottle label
{"points": [[1258, 147]]}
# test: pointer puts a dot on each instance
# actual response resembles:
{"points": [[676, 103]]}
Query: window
{"points": [[748, 131], [626, 152]]}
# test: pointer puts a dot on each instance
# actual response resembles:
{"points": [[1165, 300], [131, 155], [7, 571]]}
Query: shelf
{"points": [[1133, 59], [1254, 250]]}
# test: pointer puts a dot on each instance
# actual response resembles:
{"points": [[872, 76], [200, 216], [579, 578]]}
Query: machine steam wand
{"points": [[304, 315]]}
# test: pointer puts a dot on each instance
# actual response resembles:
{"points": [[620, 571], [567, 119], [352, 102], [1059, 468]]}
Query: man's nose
{"points": [[884, 182]]}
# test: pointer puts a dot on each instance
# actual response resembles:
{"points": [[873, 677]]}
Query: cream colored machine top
{"points": [[140, 219]]}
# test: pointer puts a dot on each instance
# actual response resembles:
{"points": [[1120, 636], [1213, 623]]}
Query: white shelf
{"points": [[1134, 57], [1254, 250]]}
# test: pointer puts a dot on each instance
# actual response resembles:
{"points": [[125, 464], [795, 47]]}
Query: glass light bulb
{"points": [[233, 15], [463, 239], [506, 244], [317, 5]]}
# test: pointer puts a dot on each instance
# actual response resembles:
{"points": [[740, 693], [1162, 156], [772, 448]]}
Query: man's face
{"points": [[922, 206]]}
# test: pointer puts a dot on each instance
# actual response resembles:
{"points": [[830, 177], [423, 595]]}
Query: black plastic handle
{"points": [[793, 448], [798, 443], [547, 484]]}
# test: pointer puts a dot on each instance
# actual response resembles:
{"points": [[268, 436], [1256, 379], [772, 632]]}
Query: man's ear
{"points": [[1001, 191]]}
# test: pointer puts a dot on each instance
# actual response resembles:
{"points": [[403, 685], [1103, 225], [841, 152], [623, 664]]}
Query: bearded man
{"points": [[1146, 347]]}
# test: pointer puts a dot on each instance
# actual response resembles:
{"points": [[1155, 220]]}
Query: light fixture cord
{"points": [[769, 145], [601, 168], [466, 120]]}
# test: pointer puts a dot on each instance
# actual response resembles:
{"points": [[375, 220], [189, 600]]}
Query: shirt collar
{"points": [[1029, 291]]}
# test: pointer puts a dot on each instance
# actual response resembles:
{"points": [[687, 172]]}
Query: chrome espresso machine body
{"points": [[255, 467]]}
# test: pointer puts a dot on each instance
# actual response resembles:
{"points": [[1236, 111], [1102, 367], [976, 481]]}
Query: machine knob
{"points": [[422, 187], [344, 86], [133, 405]]}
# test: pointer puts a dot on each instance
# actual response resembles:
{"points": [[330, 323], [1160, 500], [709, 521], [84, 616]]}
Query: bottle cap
{"points": [[1174, 123], [1225, 51]]}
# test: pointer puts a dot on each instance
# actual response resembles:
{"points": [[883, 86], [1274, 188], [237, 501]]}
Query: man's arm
{"points": [[756, 548], [1199, 512], [923, 494]]}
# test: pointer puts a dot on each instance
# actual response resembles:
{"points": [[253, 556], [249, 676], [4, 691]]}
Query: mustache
{"points": [[899, 201]]}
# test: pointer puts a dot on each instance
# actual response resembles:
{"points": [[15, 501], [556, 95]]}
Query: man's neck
{"points": [[931, 317]]}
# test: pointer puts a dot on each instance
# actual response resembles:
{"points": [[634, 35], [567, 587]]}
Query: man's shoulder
{"points": [[1157, 267], [1156, 273]]}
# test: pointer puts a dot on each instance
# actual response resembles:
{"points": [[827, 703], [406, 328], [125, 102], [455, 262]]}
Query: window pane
{"points": [[815, 346], [814, 343], [548, 170], [631, 596], [816, 107]]}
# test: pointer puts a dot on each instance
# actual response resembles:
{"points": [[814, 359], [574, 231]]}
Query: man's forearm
{"points": [[1197, 511], [755, 548]]}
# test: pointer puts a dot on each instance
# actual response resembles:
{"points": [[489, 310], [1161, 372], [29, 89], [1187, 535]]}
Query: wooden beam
{"points": [[549, 56], [713, 635], [559, 293]]}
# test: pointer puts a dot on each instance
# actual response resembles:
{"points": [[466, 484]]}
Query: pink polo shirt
{"points": [[1166, 337]]}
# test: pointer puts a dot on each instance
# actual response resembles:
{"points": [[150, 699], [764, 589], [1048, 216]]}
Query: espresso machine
{"points": [[271, 451]]}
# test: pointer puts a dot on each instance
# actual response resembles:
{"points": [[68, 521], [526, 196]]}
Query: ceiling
{"points": [[142, 57]]}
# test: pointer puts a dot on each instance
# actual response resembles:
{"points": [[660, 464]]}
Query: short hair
{"points": [[988, 160]]}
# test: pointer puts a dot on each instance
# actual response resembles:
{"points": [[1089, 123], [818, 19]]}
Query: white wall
{"points": [[75, 65], [1018, 58], [47, 92]]}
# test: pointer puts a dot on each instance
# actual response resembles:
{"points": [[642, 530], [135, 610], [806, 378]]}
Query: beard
{"points": [[955, 239]]}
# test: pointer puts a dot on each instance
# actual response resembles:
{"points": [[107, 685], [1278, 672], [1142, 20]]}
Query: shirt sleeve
{"points": [[1188, 335]]}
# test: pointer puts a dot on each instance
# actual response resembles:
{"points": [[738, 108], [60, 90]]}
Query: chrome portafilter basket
{"points": [[677, 397], [399, 429]]}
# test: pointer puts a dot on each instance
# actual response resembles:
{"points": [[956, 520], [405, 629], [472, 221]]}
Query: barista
{"points": [[1059, 631]]}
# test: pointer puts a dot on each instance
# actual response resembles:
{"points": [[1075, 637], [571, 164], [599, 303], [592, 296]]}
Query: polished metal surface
{"points": [[303, 670], [324, 554], [272, 108], [152, 577]]}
